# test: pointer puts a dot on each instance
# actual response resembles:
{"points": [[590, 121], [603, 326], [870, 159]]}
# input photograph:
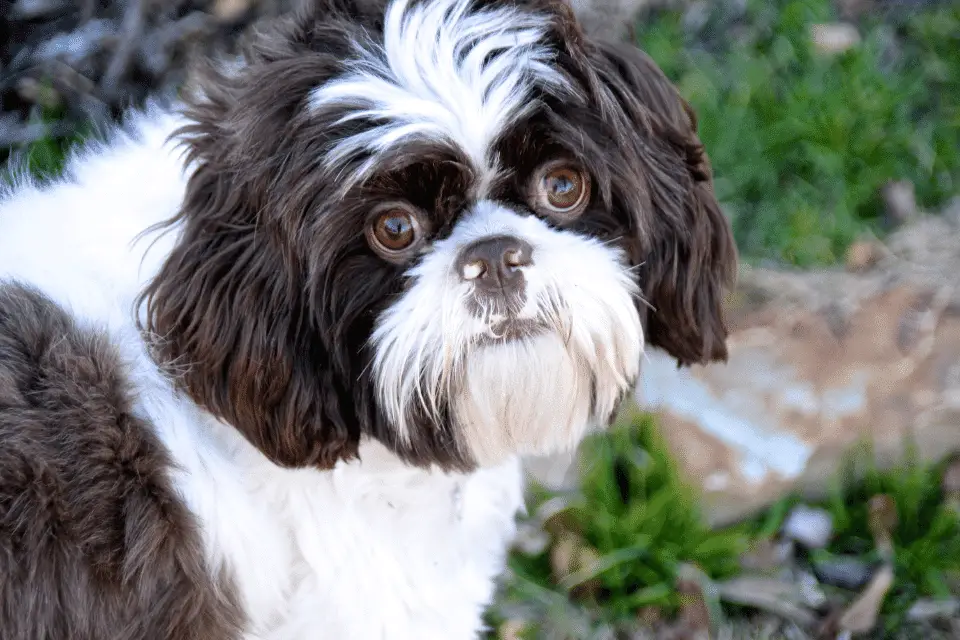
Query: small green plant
{"points": [[925, 533], [634, 522], [45, 156], [803, 141], [926, 536]]}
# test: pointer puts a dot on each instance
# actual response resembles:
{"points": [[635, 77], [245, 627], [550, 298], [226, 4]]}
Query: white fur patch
{"points": [[369, 550], [443, 72], [529, 396]]}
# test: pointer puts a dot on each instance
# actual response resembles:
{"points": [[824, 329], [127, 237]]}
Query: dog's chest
{"points": [[368, 550]]}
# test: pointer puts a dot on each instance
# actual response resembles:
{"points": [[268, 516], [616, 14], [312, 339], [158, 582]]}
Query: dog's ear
{"points": [[226, 319], [682, 241], [228, 313]]}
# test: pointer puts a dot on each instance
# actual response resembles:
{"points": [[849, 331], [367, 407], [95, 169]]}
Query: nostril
{"points": [[514, 258], [474, 269]]}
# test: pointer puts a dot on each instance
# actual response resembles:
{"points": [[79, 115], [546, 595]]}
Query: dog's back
{"points": [[94, 542]]}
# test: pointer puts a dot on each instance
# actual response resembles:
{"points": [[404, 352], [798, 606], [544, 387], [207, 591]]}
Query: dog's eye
{"points": [[562, 190], [394, 232]]}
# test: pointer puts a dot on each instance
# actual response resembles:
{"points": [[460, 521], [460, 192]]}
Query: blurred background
{"points": [[808, 487]]}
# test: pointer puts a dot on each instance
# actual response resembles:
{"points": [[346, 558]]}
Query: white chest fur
{"points": [[370, 549]]}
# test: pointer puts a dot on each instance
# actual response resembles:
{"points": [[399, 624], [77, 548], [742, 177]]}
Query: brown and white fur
{"points": [[228, 410]]}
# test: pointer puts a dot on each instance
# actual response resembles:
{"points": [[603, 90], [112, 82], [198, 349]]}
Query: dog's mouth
{"points": [[512, 329]]}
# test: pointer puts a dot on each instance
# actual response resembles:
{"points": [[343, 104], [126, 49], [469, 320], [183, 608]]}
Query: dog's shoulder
{"points": [[94, 542]]}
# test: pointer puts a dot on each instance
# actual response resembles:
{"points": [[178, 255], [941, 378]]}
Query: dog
{"points": [[272, 352]]}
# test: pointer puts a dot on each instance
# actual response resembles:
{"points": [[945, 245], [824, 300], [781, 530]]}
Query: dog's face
{"points": [[444, 224]]}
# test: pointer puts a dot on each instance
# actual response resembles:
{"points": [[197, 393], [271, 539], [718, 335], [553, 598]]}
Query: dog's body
{"points": [[278, 386], [372, 549]]}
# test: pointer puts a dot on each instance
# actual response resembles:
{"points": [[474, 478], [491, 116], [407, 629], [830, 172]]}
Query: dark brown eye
{"points": [[563, 189], [393, 232]]}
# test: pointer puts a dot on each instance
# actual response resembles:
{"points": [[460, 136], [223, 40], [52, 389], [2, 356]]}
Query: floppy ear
{"points": [[683, 241], [228, 313]]}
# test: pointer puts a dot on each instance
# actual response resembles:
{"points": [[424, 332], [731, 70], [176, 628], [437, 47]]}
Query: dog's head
{"points": [[449, 225]]}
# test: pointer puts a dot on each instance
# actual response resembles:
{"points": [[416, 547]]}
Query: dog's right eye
{"points": [[394, 232]]}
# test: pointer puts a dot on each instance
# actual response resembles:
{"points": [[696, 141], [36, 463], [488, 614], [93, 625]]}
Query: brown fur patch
{"points": [[94, 542]]}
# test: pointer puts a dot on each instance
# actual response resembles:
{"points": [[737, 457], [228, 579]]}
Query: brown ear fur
{"points": [[229, 311], [685, 243]]}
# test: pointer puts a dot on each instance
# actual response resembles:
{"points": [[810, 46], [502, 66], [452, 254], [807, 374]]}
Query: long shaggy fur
{"points": [[227, 412]]}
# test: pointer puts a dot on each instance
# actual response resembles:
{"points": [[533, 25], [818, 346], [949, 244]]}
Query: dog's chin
{"points": [[527, 389]]}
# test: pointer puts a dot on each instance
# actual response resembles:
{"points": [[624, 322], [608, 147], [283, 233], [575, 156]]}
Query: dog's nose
{"points": [[493, 264]]}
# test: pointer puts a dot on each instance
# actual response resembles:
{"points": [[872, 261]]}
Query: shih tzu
{"points": [[270, 355]]}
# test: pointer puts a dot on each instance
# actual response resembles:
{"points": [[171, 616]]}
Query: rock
{"points": [[834, 37], [810, 527], [846, 572], [863, 254], [927, 609], [818, 361], [900, 202]]}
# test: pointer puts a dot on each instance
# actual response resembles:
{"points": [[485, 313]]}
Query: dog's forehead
{"points": [[444, 70]]}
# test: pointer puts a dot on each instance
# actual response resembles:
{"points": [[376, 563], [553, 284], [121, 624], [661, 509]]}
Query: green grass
{"points": [[637, 523], [801, 141], [45, 156], [926, 538], [634, 523]]}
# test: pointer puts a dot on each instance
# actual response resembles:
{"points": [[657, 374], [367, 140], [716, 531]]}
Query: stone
{"points": [[846, 572], [899, 202], [834, 37], [819, 361], [926, 609], [862, 255], [810, 527], [230, 10]]}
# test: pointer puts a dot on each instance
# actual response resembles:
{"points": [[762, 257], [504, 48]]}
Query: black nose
{"points": [[493, 265]]}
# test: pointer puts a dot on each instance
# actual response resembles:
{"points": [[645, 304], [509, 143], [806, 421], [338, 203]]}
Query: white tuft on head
{"points": [[528, 395], [444, 72]]}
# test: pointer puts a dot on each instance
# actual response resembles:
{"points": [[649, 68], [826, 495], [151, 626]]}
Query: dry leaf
{"points": [[862, 254], [784, 599], [512, 630], [883, 520], [861, 616]]}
